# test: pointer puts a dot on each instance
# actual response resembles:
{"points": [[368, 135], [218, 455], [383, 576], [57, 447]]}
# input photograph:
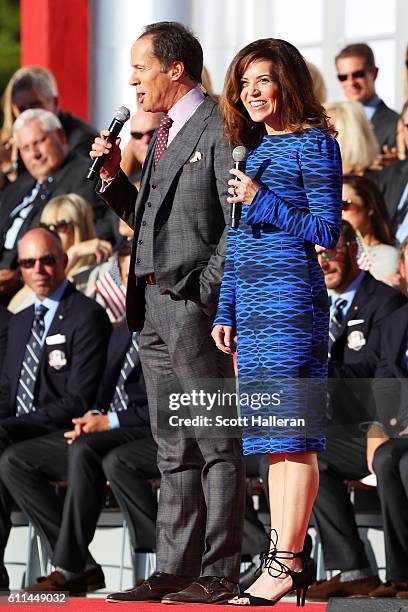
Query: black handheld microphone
{"points": [[120, 117], [239, 155]]}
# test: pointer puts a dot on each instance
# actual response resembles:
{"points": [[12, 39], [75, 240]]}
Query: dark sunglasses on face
{"points": [[357, 74], [348, 204], [139, 135], [61, 226], [45, 260], [330, 254]]}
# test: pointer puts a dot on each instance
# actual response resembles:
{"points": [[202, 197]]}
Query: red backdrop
{"points": [[54, 34]]}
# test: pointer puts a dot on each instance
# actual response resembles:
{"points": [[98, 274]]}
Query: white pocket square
{"points": [[196, 157]]}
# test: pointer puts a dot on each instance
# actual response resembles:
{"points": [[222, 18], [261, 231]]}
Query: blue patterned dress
{"points": [[273, 290]]}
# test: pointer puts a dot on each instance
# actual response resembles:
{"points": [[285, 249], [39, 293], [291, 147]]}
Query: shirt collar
{"points": [[52, 301], [373, 103], [185, 107], [349, 293]]}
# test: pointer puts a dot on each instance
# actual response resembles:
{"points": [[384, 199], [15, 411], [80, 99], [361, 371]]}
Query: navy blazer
{"points": [[5, 317], [356, 352], [137, 413], [390, 385], [61, 393]]}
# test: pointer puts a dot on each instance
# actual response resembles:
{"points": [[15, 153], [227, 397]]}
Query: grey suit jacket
{"points": [[392, 181], [385, 122], [189, 229]]}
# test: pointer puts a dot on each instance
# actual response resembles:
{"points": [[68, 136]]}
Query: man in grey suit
{"points": [[177, 263]]}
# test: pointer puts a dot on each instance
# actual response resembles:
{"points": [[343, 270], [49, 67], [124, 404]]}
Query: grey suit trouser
{"points": [[201, 505]]}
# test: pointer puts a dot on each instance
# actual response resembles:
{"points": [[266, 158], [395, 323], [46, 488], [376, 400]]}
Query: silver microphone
{"points": [[239, 155]]}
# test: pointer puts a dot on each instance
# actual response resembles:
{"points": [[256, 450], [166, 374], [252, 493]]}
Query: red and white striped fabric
{"points": [[363, 257], [113, 296]]}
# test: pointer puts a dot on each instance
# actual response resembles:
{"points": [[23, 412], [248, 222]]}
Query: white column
{"points": [[401, 45], [225, 26], [333, 41], [114, 27]]}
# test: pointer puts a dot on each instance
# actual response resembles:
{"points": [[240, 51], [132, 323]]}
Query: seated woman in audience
{"points": [[106, 282], [358, 145], [71, 217], [364, 208]]}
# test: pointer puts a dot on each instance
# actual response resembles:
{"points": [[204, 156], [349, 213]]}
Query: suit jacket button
{"points": [[140, 241], [138, 260], [143, 222], [154, 186], [149, 204]]}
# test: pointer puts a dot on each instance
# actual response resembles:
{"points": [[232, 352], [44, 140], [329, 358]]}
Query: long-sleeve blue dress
{"points": [[273, 290]]}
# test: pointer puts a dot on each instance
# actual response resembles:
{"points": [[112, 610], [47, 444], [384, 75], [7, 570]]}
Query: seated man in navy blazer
{"points": [[5, 316], [360, 305], [115, 434], [55, 357]]}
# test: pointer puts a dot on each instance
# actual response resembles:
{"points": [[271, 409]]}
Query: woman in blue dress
{"points": [[273, 297]]}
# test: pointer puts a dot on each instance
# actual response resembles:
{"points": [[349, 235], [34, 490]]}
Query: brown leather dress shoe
{"points": [[205, 590], [402, 594], [90, 580], [389, 589], [324, 589], [153, 589]]}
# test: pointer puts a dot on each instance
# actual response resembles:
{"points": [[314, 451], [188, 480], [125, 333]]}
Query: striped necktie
{"points": [[120, 398], [31, 363], [336, 321]]}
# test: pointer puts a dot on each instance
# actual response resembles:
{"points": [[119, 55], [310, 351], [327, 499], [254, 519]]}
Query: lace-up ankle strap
{"points": [[272, 559]]}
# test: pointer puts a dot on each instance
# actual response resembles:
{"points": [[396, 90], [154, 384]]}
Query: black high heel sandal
{"points": [[274, 557]]}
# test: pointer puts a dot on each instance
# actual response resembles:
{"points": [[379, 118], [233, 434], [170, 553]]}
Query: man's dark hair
{"points": [[28, 82], [358, 50], [347, 232], [172, 42]]}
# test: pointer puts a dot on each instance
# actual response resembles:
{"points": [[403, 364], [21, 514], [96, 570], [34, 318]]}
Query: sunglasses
{"points": [[330, 254], [61, 226], [45, 260], [357, 74], [350, 205], [139, 135]]}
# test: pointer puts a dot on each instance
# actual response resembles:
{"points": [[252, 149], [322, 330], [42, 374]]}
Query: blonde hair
{"points": [[7, 102], [206, 82], [406, 74], [78, 212], [358, 144], [319, 86]]}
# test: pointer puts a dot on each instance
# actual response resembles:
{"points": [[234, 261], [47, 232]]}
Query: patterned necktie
{"points": [[335, 322], [162, 138], [31, 363], [131, 360]]}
